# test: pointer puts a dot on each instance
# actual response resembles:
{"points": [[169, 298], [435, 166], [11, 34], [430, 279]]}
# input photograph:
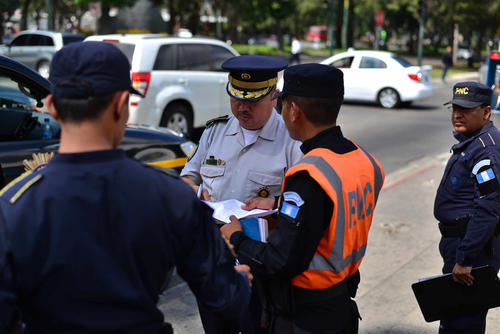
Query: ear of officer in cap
{"points": [[84, 69], [470, 94], [252, 77], [313, 80]]}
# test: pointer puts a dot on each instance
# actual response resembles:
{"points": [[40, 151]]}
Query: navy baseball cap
{"points": [[83, 69], [313, 80], [470, 94], [252, 77]]}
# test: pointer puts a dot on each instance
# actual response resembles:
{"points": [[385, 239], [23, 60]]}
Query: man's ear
{"points": [[120, 100], [487, 112], [275, 101], [49, 103], [296, 112]]}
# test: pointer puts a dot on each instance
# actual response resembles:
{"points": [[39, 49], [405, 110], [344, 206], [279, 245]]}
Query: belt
{"points": [[307, 295]]}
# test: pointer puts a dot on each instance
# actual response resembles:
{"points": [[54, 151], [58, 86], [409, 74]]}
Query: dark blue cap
{"points": [[470, 94], [313, 80], [84, 69], [252, 77]]}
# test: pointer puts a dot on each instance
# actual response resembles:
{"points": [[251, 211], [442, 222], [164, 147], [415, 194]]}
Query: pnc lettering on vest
{"points": [[358, 204]]}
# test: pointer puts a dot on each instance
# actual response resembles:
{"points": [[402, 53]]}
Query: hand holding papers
{"points": [[224, 209]]}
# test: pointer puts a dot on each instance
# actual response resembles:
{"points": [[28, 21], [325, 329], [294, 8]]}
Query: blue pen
{"points": [[200, 189]]}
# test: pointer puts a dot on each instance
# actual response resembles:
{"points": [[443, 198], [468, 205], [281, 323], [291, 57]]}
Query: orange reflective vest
{"points": [[353, 181]]}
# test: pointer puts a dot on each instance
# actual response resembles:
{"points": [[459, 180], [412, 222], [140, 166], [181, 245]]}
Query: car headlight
{"points": [[189, 148]]}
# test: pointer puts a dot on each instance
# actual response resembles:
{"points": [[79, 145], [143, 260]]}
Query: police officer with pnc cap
{"points": [[310, 262], [87, 241], [467, 203]]}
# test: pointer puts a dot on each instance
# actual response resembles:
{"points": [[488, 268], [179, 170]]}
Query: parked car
{"points": [[382, 77], [23, 118], [35, 48], [181, 78], [317, 34], [464, 52]]}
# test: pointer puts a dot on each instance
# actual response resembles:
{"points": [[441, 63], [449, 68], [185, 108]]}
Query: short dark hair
{"points": [[78, 110], [318, 111]]}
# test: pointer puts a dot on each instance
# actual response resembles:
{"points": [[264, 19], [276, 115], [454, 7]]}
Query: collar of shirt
{"points": [[86, 157], [331, 138], [269, 131], [463, 140]]}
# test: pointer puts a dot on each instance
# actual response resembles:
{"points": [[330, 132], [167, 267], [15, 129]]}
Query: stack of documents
{"points": [[232, 207]]}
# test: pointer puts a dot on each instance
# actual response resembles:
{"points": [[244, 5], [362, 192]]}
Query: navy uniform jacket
{"points": [[469, 190], [86, 244]]}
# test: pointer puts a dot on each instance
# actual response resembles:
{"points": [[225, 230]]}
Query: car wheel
{"points": [[177, 117], [388, 98], [44, 68]]}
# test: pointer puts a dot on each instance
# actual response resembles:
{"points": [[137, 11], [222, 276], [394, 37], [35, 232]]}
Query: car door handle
{"points": [[182, 81]]}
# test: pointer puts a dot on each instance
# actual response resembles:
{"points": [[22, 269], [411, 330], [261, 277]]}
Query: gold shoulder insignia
{"points": [[39, 161], [211, 122], [18, 186]]}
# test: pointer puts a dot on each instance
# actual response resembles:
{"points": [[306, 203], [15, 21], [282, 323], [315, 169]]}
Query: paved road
{"points": [[412, 145]]}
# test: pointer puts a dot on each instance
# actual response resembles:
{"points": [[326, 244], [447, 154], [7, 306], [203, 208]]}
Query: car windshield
{"points": [[67, 39], [402, 61]]}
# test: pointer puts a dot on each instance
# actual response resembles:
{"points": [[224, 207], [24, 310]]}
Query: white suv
{"points": [[181, 78]]}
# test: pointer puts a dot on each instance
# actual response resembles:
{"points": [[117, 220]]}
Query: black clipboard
{"points": [[440, 297]]}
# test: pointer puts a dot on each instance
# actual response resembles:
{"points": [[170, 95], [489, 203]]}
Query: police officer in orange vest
{"points": [[308, 269]]}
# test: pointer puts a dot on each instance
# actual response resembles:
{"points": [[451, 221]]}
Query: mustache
{"points": [[243, 113]]}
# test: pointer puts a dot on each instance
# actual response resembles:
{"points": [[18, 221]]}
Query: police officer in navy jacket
{"points": [[467, 203], [86, 242]]}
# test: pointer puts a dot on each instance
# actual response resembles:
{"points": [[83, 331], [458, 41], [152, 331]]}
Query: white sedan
{"points": [[382, 77]]}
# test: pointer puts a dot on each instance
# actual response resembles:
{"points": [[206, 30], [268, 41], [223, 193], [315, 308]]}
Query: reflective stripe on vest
{"points": [[330, 264]]}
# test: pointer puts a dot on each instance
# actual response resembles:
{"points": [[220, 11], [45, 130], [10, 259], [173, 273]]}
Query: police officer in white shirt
{"points": [[245, 155]]}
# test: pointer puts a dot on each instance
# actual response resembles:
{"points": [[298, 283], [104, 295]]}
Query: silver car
{"points": [[35, 48]]}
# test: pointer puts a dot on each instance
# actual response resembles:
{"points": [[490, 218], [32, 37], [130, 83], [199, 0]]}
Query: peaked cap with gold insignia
{"points": [[252, 77]]}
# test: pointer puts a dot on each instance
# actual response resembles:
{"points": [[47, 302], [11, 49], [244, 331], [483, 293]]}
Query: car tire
{"points": [[178, 117], [388, 98], [43, 68]]}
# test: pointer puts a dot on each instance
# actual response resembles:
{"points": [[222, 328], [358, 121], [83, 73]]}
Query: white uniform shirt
{"points": [[229, 169], [296, 47]]}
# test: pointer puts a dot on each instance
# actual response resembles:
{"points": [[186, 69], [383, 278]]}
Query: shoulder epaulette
{"points": [[211, 122], [18, 186], [486, 139]]}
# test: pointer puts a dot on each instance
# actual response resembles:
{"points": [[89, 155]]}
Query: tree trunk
{"points": [[172, 12], [339, 19], [105, 22], [350, 27], [194, 17], [279, 33], [24, 14]]}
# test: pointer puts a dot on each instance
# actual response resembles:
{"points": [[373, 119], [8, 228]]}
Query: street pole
{"points": [[48, 9], [420, 39], [330, 25]]}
